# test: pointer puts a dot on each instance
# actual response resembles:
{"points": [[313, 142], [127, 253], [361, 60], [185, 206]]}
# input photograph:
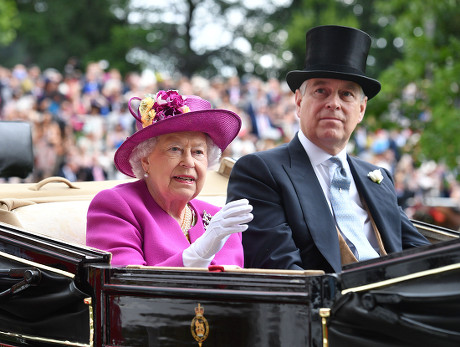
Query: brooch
{"points": [[206, 219]]}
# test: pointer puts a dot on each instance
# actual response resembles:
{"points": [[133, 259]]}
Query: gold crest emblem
{"points": [[199, 326]]}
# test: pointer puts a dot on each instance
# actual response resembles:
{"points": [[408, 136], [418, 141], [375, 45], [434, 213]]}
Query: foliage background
{"points": [[415, 50]]}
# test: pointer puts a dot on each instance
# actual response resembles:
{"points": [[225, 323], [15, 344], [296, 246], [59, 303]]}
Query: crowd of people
{"points": [[80, 117]]}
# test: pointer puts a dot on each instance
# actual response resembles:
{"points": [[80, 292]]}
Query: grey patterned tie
{"points": [[346, 218]]}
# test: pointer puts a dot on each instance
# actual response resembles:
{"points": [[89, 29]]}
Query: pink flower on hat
{"points": [[162, 105]]}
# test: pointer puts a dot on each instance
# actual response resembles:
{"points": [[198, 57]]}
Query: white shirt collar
{"points": [[317, 155]]}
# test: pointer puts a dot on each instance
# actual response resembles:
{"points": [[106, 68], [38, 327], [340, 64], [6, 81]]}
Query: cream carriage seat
{"points": [[57, 208]]}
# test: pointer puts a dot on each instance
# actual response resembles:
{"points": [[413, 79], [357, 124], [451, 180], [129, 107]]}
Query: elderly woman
{"points": [[156, 219]]}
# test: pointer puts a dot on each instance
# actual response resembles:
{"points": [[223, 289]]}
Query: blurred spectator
{"points": [[48, 146], [80, 117]]}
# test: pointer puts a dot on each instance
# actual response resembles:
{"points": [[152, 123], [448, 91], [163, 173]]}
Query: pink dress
{"points": [[126, 221]]}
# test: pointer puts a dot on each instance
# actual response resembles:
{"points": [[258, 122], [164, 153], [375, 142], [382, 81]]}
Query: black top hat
{"points": [[336, 52]]}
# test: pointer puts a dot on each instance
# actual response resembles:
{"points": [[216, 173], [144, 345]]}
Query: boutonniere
{"points": [[206, 219], [376, 176]]}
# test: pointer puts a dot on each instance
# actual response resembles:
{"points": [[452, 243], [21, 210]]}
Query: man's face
{"points": [[329, 111]]}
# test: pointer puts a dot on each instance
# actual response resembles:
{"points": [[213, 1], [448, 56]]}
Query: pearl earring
{"points": [[146, 175]]}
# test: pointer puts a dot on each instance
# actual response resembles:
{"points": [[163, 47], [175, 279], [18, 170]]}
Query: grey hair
{"points": [[146, 147], [303, 89]]}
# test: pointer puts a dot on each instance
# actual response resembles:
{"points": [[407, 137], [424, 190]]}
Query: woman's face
{"points": [[176, 167]]}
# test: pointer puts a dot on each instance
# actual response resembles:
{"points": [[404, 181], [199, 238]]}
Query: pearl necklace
{"points": [[187, 220]]}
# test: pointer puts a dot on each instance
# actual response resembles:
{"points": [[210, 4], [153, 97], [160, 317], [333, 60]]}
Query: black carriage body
{"points": [[147, 307], [54, 294]]}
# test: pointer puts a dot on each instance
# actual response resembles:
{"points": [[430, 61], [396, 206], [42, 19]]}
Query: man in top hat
{"points": [[314, 206]]}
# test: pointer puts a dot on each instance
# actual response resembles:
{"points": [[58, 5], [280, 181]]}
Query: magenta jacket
{"points": [[126, 221]]}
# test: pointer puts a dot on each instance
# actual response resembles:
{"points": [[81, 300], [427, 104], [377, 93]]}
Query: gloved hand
{"points": [[232, 218]]}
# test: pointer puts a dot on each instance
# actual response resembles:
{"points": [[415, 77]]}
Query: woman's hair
{"points": [[146, 147]]}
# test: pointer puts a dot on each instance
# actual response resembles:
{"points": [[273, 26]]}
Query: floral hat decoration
{"points": [[169, 112]]}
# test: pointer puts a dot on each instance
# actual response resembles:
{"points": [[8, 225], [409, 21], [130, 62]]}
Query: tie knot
{"points": [[339, 179], [336, 161]]}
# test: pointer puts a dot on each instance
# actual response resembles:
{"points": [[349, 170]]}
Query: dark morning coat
{"points": [[293, 227]]}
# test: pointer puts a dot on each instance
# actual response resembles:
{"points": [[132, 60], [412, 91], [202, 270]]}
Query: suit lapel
{"points": [[378, 198], [315, 208]]}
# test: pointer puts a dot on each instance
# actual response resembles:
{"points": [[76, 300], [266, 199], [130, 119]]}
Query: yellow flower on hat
{"points": [[146, 105], [146, 110], [184, 109], [147, 118]]}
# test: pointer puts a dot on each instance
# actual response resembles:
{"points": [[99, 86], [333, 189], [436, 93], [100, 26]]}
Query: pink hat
{"points": [[169, 112]]}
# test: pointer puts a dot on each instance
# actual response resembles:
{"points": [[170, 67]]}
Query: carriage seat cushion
{"points": [[63, 220], [59, 211]]}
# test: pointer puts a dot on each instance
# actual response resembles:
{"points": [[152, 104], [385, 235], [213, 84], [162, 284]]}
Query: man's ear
{"points": [[362, 109], [298, 101]]}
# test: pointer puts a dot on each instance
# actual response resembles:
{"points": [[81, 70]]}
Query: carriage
{"points": [[55, 291]]}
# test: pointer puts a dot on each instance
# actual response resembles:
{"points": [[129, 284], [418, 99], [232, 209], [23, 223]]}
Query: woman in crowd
{"points": [[156, 219]]}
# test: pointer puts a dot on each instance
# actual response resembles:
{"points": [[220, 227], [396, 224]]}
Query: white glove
{"points": [[232, 218]]}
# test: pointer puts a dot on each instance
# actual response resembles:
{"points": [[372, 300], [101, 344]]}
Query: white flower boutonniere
{"points": [[376, 176]]}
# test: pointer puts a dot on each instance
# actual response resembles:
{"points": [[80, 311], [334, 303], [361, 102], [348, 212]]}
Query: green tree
{"points": [[421, 89], [9, 21], [51, 31]]}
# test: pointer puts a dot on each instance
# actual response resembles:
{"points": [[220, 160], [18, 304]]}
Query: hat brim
{"points": [[222, 126], [371, 87]]}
